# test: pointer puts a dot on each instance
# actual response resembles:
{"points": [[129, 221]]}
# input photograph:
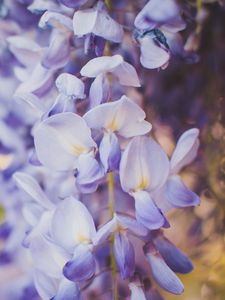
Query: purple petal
{"points": [[147, 212], [132, 225], [72, 3], [178, 195], [124, 254], [90, 172], [155, 14], [162, 274], [174, 258], [110, 152], [186, 150], [81, 266], [155, 295]]}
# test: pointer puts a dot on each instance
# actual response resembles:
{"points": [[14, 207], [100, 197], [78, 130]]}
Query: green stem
{"points": [[199, 4], [112, 256], [108, 4], [199, 7]]}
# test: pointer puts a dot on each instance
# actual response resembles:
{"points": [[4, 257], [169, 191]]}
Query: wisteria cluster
{"points": [[85, 186]]}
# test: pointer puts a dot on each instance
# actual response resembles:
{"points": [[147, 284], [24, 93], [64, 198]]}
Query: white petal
{"points": [[100, 65], [144, 165], [45, 285], [137, 292], [69, 85], [152, 55], [155, 13], [32, 188], [84, 21], [47, 257], [105, 231], [127, 75], [27, 51], [55, 19], [72, 224], [95, 21], [60, 139], [122, 116], [39, 81], [114, 30]]}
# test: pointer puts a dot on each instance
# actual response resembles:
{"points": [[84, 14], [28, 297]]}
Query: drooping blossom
{"points": [[157, 26], [144, 168]]}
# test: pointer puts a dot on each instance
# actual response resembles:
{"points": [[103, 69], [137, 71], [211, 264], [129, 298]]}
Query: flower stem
{"points": [[112, 256], [199, 4], [199, 7]]}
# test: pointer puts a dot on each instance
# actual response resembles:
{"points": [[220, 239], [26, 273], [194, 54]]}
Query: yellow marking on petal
{"points": [[143, 184], [79, 149], [83, 239], [5, 161], [121, 229], [113, 125]]}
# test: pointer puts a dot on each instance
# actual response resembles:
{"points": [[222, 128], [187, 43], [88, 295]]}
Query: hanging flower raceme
{"points": [[82, 159]]}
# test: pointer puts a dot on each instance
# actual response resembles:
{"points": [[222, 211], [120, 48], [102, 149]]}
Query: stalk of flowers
{"points": [[75, 151]]}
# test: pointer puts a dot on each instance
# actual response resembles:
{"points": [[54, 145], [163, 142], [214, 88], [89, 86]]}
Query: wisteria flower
{"points": [[70, 89], [116, 65], [157, 25], [92, 22], [144, 168], [61, 139], [174, 193], [73, 229], [120, 226], [121, 118], [161, 273]]}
